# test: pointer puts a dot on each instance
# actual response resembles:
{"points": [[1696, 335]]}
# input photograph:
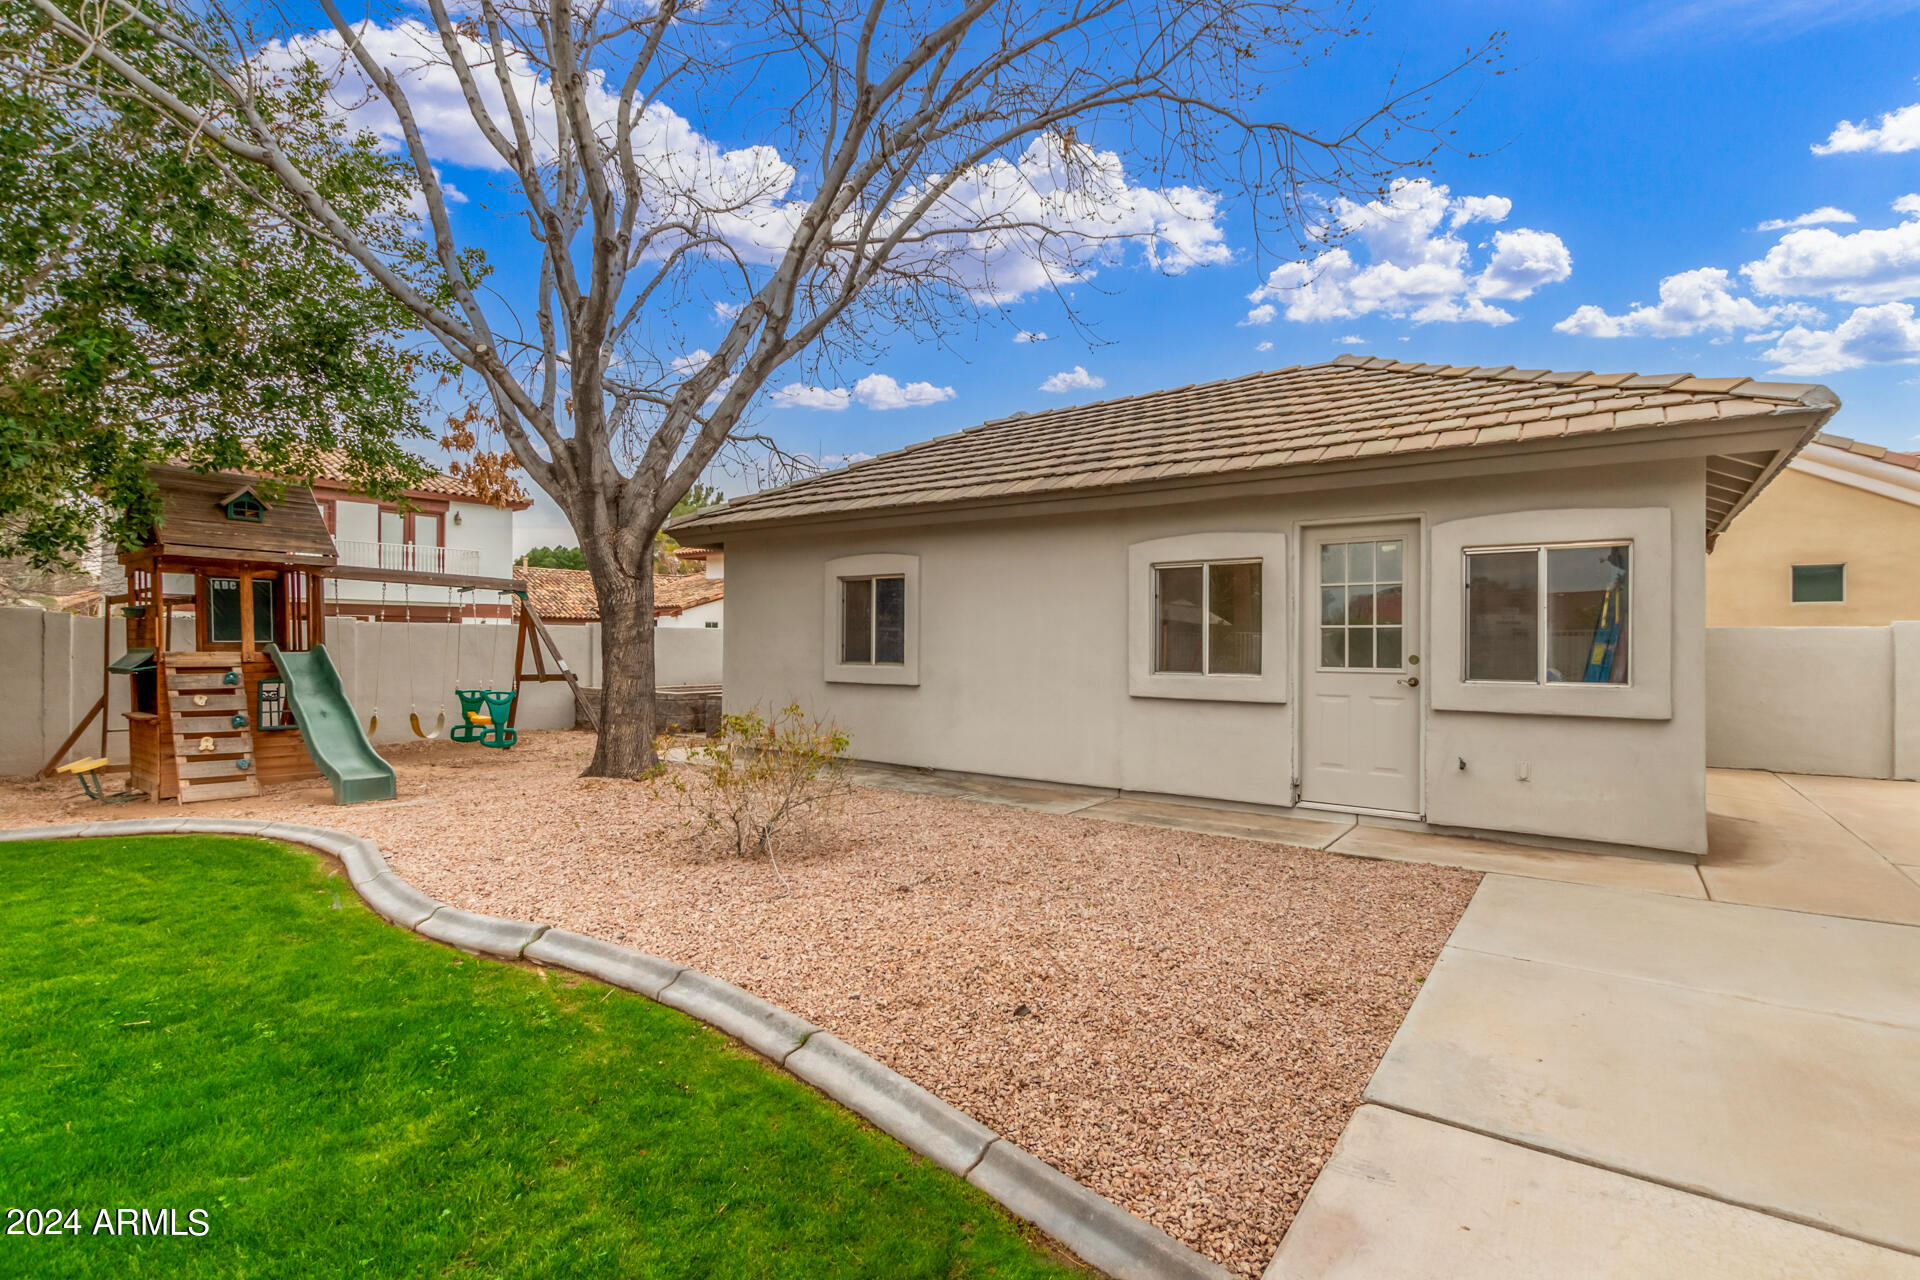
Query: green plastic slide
{"points": [[330, 727]]}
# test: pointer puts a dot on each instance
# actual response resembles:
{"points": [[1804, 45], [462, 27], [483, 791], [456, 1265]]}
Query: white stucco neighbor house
{"points": [[1466, 597]]}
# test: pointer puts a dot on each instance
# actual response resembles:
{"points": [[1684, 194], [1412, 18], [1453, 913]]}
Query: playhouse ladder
{"points": [[212, 774]]}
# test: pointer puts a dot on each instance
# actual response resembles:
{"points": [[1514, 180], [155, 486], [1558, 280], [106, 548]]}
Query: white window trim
{"points": [[1270, 550], [879, 565], [1544, 592], [1817, 564], [1650, 612]]}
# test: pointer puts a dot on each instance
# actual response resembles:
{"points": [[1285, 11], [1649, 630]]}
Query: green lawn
{"points": [[219, 1024]]}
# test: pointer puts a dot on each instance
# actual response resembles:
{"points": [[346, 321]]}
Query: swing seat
{"points": [[483, 717]]}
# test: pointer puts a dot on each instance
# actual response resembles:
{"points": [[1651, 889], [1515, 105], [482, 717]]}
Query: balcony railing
{"points": [[360, 554]]}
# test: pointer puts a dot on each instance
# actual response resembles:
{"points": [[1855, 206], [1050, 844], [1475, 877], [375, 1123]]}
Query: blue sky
{"points": [[1626, 145]]}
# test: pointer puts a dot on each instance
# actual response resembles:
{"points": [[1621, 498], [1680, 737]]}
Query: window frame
{"points": [[1315, 548], [901, 565], [1841, 565], [873, 581], [271, 617], [1542, 635], [1205, 566]]}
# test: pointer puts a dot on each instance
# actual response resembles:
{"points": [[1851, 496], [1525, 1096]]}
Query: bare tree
{"points": [[917, 155]]}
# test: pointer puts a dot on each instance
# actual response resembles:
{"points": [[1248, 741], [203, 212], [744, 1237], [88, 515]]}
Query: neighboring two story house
{"points": [[1834, 541], [446, 529]]}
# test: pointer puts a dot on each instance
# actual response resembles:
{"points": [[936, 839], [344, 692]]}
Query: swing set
{"points": [[486, 714]]}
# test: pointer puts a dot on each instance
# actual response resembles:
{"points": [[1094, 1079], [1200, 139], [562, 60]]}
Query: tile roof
{"points": [[333, 467], [678, 592], [1354, 407], [567, 595], [1891, 457]]}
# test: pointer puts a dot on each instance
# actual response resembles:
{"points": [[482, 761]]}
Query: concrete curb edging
{"points": [[1094, 1228]]}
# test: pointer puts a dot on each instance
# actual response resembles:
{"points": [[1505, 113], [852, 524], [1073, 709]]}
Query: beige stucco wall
{"points": [[1024, 662], [1807, 519]]}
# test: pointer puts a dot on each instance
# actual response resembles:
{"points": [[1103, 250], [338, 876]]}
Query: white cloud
{"points": [[1824, 214], [796, 396], [1888, 333], [1028, 335], [727, 310], [1895, 131], [1877, 264], [1265, 313], [1413, 266], [1263, 346], [1351, 340], [1074, 379], [878, 391], [1689, 302]]}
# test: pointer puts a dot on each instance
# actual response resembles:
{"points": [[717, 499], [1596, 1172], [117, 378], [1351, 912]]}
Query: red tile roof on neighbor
{"points": [[1352, 408], [1891, 457], [567, 595], [334, 470]]}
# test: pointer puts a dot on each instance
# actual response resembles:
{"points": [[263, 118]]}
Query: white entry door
{"points": [[1360, 713]]}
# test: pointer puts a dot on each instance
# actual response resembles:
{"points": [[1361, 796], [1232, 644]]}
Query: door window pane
{"points": [[1333, 646], [1359, 646], [1819, 583], [1503, 615], [1386, 647], [1587, 614], [856, 620], [1233, 619], [1333, 562], [1177, 610], [890, 620], [393, 527]]}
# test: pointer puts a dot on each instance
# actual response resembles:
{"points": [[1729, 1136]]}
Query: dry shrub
{"points": [[759, 772]]}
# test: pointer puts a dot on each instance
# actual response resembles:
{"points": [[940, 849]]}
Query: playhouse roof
{"points": [[194, 523], [1355, 411]]}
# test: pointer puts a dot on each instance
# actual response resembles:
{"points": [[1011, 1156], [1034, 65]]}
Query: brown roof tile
{"points": [[1874, 451], [1285, 418], [567, 595]]}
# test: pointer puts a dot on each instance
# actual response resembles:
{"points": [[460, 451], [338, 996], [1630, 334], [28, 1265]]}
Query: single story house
{"points": [[1834, 542], [1469, 597]]}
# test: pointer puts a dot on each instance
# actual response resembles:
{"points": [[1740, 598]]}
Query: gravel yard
{"points": [[1183, 1022]]}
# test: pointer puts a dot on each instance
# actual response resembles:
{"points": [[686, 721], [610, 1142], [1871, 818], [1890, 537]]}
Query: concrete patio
{"points": [[1601, 1081]]}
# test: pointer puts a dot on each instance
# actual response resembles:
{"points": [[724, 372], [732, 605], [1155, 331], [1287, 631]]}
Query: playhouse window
{"points": [[1207, 618], [223, 610], [873, 620], [1575, 631], [244, 506]]}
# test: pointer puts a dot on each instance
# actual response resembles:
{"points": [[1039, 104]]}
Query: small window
{"points": [[270, 706], [873, 621], [244, 506], [1819, 583], [1207, 618], [713, 626], [223, 610], [1574, 631]]}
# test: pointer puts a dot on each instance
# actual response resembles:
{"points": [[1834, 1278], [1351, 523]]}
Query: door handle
{"points": [[1412, 682]]}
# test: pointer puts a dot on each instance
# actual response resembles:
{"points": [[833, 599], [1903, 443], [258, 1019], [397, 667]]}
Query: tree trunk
{"points": [[625, 746]]}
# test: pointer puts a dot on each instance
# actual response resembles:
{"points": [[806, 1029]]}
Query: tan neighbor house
{"points": [[1472, 598], [1834, 541]]}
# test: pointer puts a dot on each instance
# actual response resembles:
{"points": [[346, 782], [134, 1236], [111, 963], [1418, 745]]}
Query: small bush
{"points": [[759, 771]]}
